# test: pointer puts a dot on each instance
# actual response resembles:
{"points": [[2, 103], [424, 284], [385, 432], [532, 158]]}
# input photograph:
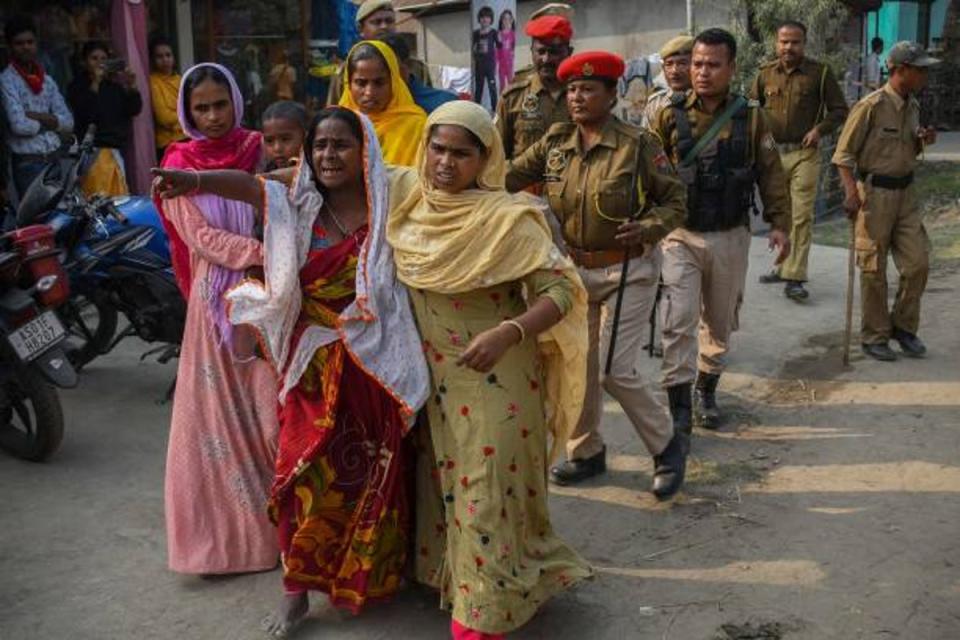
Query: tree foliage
{"points": [[754, 23]]}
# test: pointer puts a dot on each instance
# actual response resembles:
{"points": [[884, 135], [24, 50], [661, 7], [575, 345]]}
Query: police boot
{"points": [[670, 466], [680, 408], [706, 414]]}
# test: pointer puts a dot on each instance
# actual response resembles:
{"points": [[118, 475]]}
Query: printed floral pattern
{"points": [[483, 529]]}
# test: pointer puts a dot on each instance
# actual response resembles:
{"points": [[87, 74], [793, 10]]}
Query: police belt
{"points": [[887, 182], [596, 259]]}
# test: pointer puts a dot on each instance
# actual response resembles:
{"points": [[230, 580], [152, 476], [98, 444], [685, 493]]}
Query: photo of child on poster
{"points": [[493, 42]]}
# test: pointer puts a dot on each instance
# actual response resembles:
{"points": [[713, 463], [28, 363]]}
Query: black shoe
{"points": [[770, 278], [880, 351], [795, 291], [670, 467], [680, 408], [706, 414], [910, 344], [574, 471]]}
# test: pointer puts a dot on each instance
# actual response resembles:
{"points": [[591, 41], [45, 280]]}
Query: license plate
{"points": [[37, 336]]}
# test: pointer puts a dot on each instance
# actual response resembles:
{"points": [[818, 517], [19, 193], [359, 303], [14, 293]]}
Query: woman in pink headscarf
{"points": [[224, 427]]}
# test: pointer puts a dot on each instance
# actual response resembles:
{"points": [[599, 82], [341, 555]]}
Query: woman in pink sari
{"points": [[223, 432]]}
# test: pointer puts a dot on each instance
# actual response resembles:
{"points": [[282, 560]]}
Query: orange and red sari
{"points": [[341, 497]]}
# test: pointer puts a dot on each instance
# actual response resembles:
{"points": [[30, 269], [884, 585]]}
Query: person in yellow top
{"points": [[876, 156], [803, 103], [616, 196], [164, 88], [723, 150], [377, 90], [375, 19]]}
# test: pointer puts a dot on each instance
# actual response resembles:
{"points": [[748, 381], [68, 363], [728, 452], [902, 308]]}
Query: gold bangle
{"points": [[516, 325]]}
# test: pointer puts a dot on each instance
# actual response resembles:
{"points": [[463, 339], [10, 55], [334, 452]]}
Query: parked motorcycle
{"points": [[117, 257], [32, 284]]}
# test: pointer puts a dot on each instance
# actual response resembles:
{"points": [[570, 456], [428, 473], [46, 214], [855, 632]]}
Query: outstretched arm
{"points": [[230, 184]]}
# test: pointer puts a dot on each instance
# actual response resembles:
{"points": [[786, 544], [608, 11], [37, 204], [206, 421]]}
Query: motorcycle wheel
{"points": [[91, 323], [31, 419]]}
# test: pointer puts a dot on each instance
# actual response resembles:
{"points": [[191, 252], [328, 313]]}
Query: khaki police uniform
{"points": [[704, 272], [418, 69], [880, 142], [589, 190], [795, 102], [526, 111], [655, 102]]}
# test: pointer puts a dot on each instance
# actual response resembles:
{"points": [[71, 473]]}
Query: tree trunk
{"points": [[951, 33]]}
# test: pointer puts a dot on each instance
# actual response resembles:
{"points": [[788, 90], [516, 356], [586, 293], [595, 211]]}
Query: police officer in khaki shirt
{"points": [[803, 103], [376, 18], [705, 261], [535, 101], [876, 156], [675, 60], [599, 171]]}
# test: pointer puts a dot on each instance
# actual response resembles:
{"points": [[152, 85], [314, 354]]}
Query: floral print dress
{"points": [[483, 530]]}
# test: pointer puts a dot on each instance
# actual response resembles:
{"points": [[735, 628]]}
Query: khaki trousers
{"points": [[704, 275], [641, 399], [890, 222], [803, 170]]}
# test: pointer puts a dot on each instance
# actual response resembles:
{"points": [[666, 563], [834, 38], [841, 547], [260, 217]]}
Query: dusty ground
{"points": [[828, 508]]}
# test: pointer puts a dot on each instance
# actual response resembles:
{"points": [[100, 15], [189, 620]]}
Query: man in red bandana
{"points": [[35, 109]]}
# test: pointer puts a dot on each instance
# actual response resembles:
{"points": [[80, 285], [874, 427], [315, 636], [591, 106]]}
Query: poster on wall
{"points": [[494, 37]]}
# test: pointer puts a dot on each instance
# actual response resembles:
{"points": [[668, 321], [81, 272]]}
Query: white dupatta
{"points": [[377, 328]]}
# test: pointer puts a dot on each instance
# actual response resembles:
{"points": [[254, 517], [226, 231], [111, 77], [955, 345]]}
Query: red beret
{"points": [[550, 28], [597, 65]]}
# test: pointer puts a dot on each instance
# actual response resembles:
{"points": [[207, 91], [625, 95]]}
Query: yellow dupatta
{"points": [[451, 243], [400, 125]]}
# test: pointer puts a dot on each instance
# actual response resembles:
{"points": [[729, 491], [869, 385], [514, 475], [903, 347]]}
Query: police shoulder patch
{"points": [[556, 165]]}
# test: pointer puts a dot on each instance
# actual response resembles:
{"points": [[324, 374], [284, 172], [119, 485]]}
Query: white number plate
{"points": [[37, 336]]}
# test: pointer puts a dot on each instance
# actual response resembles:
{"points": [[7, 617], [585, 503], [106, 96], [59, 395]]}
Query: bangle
{"points": [[516, 325]]}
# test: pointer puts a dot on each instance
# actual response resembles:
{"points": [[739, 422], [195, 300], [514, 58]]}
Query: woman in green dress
{"points": [[501, 313]]}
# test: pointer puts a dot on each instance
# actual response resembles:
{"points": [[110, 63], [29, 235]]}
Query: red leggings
{"points": [[460, 632]]}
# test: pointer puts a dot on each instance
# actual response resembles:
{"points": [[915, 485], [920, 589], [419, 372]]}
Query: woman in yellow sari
{"points": [[376, 89], [502, 316]]}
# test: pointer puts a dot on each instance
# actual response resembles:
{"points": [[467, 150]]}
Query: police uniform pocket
{"points": [[553, 192], [612, 199]]}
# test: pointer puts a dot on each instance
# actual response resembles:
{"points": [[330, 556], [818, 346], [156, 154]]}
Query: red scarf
{"points": [[33, 74], [239, 149]]}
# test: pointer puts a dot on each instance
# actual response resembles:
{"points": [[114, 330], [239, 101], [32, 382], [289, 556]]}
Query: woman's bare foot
{"points": [[285, 620]]}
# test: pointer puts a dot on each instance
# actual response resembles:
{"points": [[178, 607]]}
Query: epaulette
{"points": [[517, 85], [629, 130], [561, 129], [768, 64]]}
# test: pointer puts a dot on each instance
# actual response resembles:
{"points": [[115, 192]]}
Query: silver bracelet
{"points": [[516, 325]]}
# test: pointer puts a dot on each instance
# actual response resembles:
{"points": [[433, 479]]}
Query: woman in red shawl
{"points": [[224, 427]]}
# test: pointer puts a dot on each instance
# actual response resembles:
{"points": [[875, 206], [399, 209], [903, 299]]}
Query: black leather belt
{"points": [[887, 182]]}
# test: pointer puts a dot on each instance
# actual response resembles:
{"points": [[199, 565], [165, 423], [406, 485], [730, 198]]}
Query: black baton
{"points": [[623, 269]]}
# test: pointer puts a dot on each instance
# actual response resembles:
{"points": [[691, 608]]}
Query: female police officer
{"points": [[613, 191]]}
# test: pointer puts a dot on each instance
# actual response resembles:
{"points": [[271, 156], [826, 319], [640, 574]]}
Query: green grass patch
{"points": [[938, 190]]}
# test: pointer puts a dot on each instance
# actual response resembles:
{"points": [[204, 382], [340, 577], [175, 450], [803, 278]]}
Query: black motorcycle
{"points": [[32, 284]]}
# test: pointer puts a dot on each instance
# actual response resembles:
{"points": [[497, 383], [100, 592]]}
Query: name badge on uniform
{"points": [[530, 107], [556, 165]]}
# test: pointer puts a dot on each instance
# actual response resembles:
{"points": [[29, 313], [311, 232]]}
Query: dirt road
{"points": [[828, 508]]}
